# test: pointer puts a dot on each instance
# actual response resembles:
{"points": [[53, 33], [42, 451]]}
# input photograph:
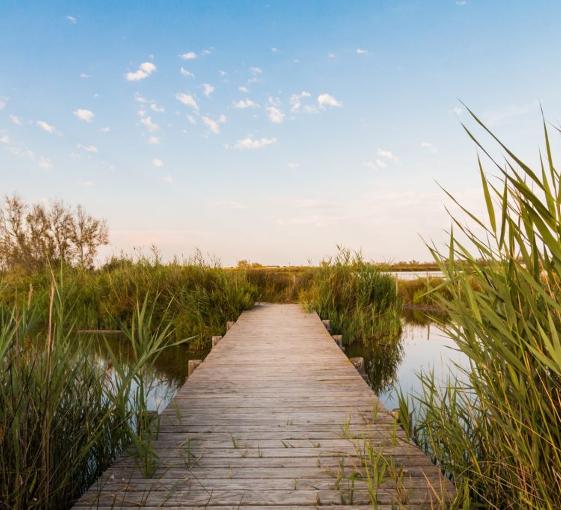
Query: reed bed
{"points": [[197, 297], [497, 434], [360, 301], [63, 417]]}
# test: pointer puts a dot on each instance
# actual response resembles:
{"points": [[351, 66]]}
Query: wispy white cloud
{"points": [[249, 143], [376, 163], [149, 124], [293, 165], [45, 126], [84, 115], [208, 89], [158, 163], [296, 101], [189, 55], [386, 154], [105, 129], [256, 71], [168, 179], [88, 184], [187, 100], [45, 163], [243, 89], [498, 117], [139, 98], [186, 72], [212, 124], [5, 140], [328, 101], [458, 110], [153, 140], [85, 76], [144, 71], [275, 115], [3, 103], [331, 55], [361, 51], [242, 104], [157, 108], [383, 159], [87, 148], [15, 120], [72, 19], [429, 147]]}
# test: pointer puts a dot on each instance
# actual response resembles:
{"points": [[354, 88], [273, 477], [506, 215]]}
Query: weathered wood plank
{"points": [[275, 416]]}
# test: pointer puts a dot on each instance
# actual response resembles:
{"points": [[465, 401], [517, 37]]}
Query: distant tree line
{"points": [[34, 235]]}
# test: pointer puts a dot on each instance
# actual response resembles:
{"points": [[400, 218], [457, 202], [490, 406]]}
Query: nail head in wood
{"points": [[215, 340], [192, 364]]}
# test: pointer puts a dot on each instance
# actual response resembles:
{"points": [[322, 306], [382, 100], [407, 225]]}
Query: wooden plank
{"points": [[275, 416]]}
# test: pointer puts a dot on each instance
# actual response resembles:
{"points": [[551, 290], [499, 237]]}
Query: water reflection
{"points": [[162, 380], [390, 364], [424, 348]]}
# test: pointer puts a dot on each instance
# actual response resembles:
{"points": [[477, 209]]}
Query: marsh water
{"points": [[392, 366]]}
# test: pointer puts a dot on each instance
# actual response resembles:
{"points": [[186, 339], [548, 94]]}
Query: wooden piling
{"points": [[358, 363], [327, 324], [229, 324], [338, 340], [192, 364]]}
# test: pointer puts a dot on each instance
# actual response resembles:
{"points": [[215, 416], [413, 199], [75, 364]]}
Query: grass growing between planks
{"points": [[63, 417], [498, 434]]}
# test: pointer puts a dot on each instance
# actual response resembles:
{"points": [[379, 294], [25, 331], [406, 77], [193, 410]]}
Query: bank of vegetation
{"points": [[497, 433]]}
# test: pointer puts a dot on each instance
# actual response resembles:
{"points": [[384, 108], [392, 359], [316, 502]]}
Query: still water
{"points": [[413, 275], [422, 347]]}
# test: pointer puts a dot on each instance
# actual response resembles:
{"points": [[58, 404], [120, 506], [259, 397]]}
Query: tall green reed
{"points": [[497, 433], [360, 301], [63, 417]]}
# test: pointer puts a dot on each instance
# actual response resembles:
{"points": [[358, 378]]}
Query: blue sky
{"points": [[269, 131]]}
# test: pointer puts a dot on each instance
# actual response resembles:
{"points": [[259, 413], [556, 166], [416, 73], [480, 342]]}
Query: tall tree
{"points": [[33, 235]]}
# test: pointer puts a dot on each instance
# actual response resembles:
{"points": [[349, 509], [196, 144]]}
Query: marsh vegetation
{"points": [[71, 402]]}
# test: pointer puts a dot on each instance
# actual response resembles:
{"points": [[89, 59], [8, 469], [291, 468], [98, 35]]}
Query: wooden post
{"points": [[327, 324], [215, 340], [338, 340], [192, 364], [229, 324], [359, 365]]}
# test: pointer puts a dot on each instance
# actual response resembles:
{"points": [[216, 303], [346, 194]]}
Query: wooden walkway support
{"points": [[275, 416]]}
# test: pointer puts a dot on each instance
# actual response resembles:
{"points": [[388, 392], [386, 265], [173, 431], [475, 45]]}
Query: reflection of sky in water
{"points": [[424, 348], [159, 388], [413, 275]]}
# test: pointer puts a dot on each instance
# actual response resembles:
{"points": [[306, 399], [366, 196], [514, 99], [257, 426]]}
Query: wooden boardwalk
{"points": [[276, 415]]}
